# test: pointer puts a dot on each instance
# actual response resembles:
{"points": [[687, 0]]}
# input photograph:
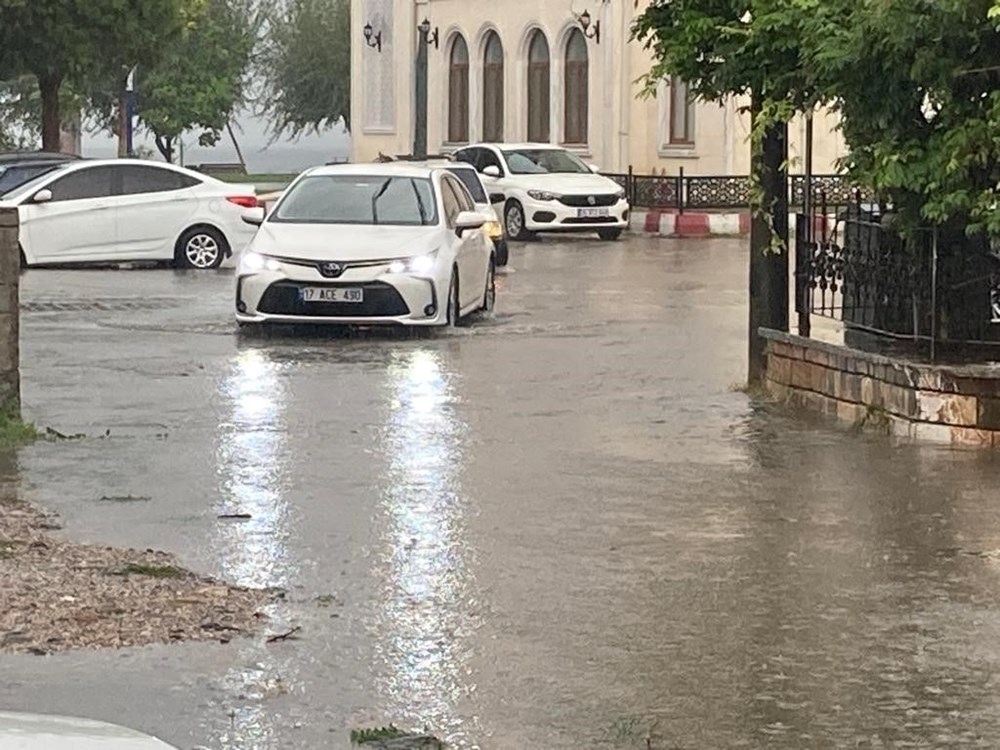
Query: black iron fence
{"points": [[681, 192], [933, 293]]}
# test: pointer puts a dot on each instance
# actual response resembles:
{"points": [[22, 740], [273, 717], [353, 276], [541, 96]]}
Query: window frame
{"points": [[573, 117], [687, 138], [458, 84], [494, 91], [541, 71]]}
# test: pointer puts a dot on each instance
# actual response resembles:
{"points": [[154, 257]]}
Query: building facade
{"points": [[526, 70]]}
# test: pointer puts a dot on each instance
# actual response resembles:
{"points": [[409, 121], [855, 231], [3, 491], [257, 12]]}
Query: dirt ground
{"points": [[59, 595]]}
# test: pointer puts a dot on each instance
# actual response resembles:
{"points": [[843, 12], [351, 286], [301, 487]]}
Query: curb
{"points": [[670, 223]]}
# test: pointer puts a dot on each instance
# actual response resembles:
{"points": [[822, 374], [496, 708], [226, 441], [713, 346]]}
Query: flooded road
{"points": [[561, 528]]}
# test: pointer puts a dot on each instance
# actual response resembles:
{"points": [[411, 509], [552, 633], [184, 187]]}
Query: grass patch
{"points": [[392, 736], [152, 571], [7, 550], [14, 431], [249, 179]]}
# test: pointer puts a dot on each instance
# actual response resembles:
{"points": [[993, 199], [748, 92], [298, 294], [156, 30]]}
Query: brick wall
{"points": [[935, 403]]}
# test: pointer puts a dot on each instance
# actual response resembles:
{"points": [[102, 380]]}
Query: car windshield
{"points": [[544, 161], [471, 181], [359, 199], [15, 176]]}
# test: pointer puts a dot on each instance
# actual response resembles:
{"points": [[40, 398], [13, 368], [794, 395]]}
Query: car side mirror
{"points": [[467, 220], [491, 171], [594, 168], [253, 216], [496, 198], [42, 196]]}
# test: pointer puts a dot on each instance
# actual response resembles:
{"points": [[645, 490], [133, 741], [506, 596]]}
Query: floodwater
{"points": [[562, 528]]}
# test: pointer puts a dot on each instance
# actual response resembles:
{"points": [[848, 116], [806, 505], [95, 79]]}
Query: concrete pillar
{"points": [[10, 328]]}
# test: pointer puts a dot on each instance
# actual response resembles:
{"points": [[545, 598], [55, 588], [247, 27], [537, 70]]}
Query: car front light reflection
{"points": [[251, 261], [493, 230]]}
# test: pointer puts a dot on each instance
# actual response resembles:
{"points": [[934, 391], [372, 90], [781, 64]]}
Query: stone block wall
{"points": [[957, 405]]}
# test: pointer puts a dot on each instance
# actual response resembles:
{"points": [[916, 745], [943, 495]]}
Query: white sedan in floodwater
{"points": [[368, 244], [45, 732]]}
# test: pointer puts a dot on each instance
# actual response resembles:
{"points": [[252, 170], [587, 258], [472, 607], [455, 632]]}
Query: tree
{"points": [[198, 81], [135, 37], [306, 65], [58, 40]]}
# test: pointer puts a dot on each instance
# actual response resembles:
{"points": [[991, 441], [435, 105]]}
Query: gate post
{"points": [[10, 311]]}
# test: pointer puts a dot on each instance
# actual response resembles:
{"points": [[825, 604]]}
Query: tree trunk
{"points": [[48, 87], [768, 264], [122, 120], [165, 145]]}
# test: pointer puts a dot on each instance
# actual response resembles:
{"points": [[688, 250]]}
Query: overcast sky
{"points": [[251, 132]]}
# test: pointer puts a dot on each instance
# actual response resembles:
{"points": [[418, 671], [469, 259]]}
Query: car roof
{"points": [[49, 732], [394, 168], [35, 157], [519, 146]]}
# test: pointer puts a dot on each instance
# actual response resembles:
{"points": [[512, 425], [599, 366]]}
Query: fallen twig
{"points": [[283, 636]]}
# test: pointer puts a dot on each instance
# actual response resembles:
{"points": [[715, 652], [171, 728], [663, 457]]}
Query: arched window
{"points": [[576, 107], [538, 88], [458, 91], [493, 88]]}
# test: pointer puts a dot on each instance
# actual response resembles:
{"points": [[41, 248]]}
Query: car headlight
{"points": [[543, 195], [416, 264], [493, 230], [251, 261], [621, 193]]}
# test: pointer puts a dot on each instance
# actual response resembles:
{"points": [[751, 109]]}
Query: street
{"points": [[563, 527]]}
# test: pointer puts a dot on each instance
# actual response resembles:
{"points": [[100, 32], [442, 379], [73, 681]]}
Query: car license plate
{"points": [[591, 213], [332, 294]]}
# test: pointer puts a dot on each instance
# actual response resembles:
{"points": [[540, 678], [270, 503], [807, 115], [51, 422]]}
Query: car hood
{"points": [[344, 242], [566, 184], [43, 732]]}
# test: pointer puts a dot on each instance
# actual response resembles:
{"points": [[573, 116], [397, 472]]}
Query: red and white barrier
{"points": [[670, 223]]}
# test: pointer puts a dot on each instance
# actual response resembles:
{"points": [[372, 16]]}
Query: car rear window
{"points": [[358, 199]]}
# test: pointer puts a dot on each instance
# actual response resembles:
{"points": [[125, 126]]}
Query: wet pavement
{"points": [[560, 528]]}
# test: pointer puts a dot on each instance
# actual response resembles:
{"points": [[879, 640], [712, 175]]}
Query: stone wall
{"points": [[958, 405]]}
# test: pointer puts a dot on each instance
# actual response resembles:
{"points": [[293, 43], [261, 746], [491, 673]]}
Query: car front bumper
{"points": [[275, 296], [554, 216]]}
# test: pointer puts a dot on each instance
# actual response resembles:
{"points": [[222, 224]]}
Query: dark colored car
{"points": [[19, 167]]}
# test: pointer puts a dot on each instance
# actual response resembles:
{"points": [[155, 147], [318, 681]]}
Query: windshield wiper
{"points": [[379, 194], [420, 203]]}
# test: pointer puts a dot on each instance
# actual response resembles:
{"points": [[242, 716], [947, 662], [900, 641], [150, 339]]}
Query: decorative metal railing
{"points": [[682, 192], [934, 290]]}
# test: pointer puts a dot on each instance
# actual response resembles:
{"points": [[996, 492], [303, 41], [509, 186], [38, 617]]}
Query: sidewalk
{"points": [[670, 223]]}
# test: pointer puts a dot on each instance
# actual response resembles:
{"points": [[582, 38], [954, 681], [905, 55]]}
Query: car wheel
{"points": [[609, 234], [503, 254], [513, 221], [454, 308], [490, 294], [201, 248]]}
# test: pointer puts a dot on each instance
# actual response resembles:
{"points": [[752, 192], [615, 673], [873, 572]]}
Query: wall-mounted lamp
{"points": [[428, 36], [372, 39], [590, 31]]}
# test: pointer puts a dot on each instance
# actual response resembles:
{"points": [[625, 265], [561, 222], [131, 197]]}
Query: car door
{"points": [[472, 251], [77, 225], [155, 205]]}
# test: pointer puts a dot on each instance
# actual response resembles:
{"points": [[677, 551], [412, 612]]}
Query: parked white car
{"points": [[22, 731], [548, 189], [367, 244], [92, 211], [484, 201]]}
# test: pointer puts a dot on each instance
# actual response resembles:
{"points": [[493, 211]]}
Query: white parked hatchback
{"points": [[368, 244], [94, 211], [548, 189]]}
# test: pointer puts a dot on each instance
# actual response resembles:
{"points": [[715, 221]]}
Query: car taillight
{"points": [[244, 201]]}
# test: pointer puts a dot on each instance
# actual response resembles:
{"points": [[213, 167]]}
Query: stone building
{"points": [[528, 70]]}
